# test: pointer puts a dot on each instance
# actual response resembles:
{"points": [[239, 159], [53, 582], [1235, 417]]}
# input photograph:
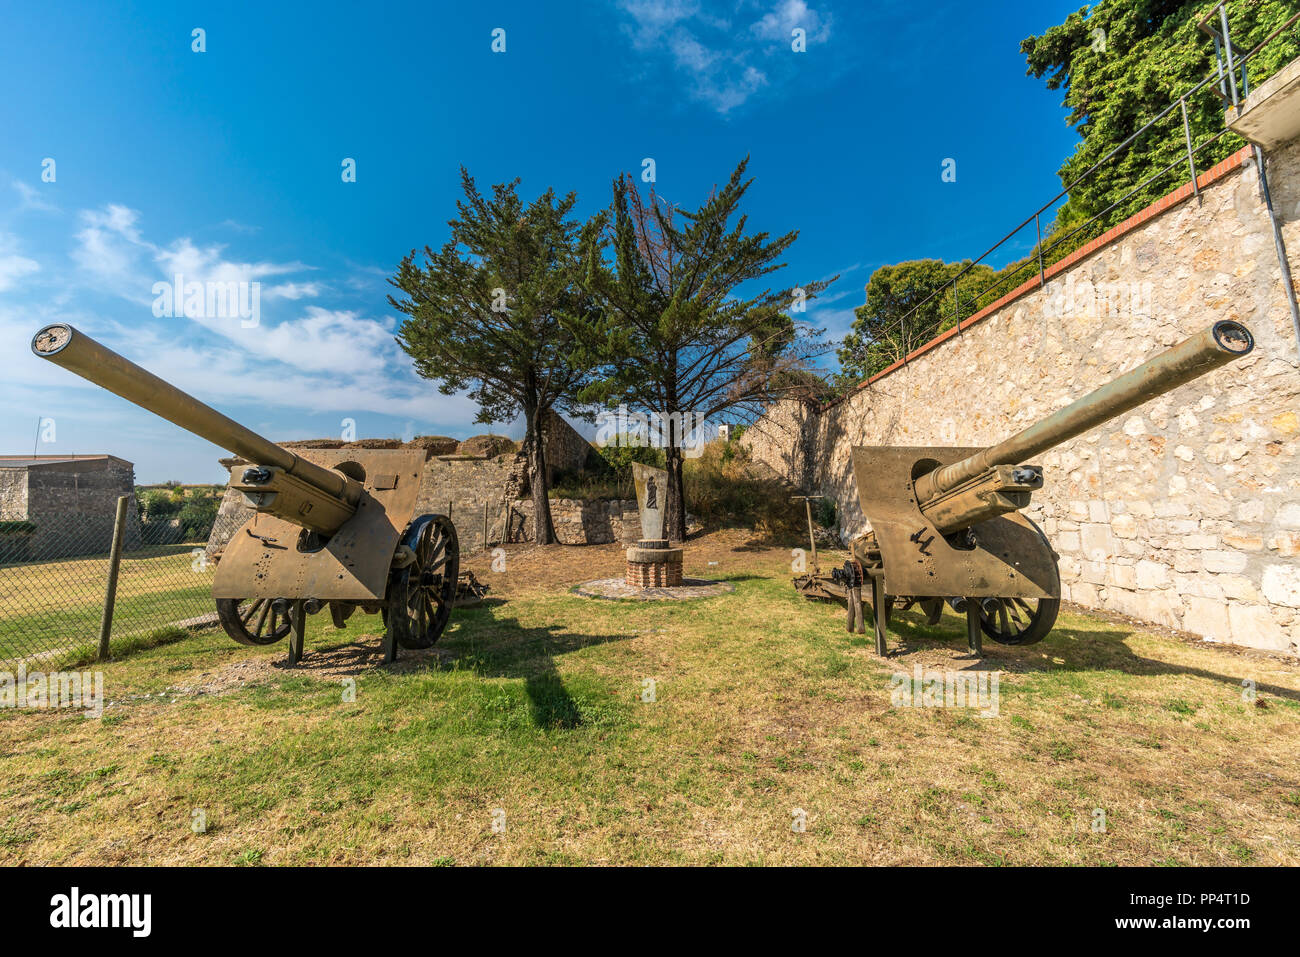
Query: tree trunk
{"points": [[675, 513], [538, 482]]}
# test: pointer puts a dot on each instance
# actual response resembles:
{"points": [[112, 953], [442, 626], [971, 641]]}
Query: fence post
{"points": [[110, 587]]}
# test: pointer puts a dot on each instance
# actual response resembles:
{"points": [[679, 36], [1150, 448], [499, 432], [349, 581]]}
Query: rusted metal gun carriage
{"points": [[945, 522], [332, 528]]}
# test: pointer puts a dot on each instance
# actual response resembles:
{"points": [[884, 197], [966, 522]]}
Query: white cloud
{"points": [[112, 250], [301, 360], [777, 25], [13, 267], [723, 67], [654, 17], [238, 227], [29, 197], [293, 290], [205, 264], [109, 250], [341, 343]]}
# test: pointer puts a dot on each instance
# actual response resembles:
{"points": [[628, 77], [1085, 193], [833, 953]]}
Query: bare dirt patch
{"points": [[709, 555]]}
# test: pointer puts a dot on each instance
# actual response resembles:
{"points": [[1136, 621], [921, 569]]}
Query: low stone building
{"points": [[57, 506]]}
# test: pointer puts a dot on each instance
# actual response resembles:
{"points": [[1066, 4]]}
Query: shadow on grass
{"points": [[1080, 650], [483, 641], [502, 647]]}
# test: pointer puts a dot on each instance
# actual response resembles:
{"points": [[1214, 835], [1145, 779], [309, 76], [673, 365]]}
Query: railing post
{"points": [[110, 587], [1227, 50], [1191, 157], [956, 308], [1038, 227]]}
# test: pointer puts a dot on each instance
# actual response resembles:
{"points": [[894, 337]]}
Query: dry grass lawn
{"points": [[523, 738]]}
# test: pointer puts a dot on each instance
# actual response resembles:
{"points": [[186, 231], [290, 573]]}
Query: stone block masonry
{"points": [[1184, 512], [70, 501], [460, 481]]}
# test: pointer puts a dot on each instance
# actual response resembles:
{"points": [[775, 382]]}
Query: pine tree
{"points": [[675, 336], [493, 310]]}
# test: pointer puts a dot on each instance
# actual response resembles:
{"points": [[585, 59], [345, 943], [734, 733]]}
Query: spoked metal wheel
{"points": [[1019, 621], [420, 595], [255, 621]]}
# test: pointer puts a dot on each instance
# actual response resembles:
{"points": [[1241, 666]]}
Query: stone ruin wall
{"points": [[1185, 511], [461, 482]]}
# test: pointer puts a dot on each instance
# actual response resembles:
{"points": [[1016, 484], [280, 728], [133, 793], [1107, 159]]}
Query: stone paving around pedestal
{"points": [[617, 588]]}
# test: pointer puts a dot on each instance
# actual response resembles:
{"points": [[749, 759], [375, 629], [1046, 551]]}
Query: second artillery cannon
{"points": [[336, 530], [945, 522]]}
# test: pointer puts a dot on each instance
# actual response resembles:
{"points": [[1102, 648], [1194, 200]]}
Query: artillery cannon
{"points": [[945, 522], [331, 527]]}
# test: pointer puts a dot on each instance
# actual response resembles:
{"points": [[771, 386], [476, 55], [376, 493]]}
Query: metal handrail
{"points": [[1224, 73]]}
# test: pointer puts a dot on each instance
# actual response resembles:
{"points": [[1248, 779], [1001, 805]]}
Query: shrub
{"points": [[157, 505], [723, 491], [607, 473], [198, 515], [825, 513], [620, 457]]}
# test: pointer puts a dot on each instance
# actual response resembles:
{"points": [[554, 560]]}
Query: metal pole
{"points": [[956, 307], [1191, 157], [1279, 244], [296, 635], [812, 539], [1042, 280], [974, 635], [879, 611], [1227, 50], [110, 588], [485, 524]]}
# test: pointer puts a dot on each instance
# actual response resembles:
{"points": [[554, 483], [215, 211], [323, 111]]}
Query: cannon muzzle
{"points": [[1190, 359], [298, 490]]}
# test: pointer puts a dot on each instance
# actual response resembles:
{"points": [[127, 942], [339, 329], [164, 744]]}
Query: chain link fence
{"points": [[54, 569]]}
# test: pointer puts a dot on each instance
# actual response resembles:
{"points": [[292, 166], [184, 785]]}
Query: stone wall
{"points": [[1185, 511], [72, 504], [577, 522], [13, 494], [462, 485], [566, 450]]}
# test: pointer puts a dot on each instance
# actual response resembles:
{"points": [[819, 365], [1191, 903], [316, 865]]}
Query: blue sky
{"points": [[226, 165]]}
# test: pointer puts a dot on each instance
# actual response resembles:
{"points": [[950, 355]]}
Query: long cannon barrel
{"points": [[77, 352], [1191, 358]]}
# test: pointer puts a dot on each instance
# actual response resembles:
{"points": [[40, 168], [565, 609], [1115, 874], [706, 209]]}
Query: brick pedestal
{"points": [[652, 564]]}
